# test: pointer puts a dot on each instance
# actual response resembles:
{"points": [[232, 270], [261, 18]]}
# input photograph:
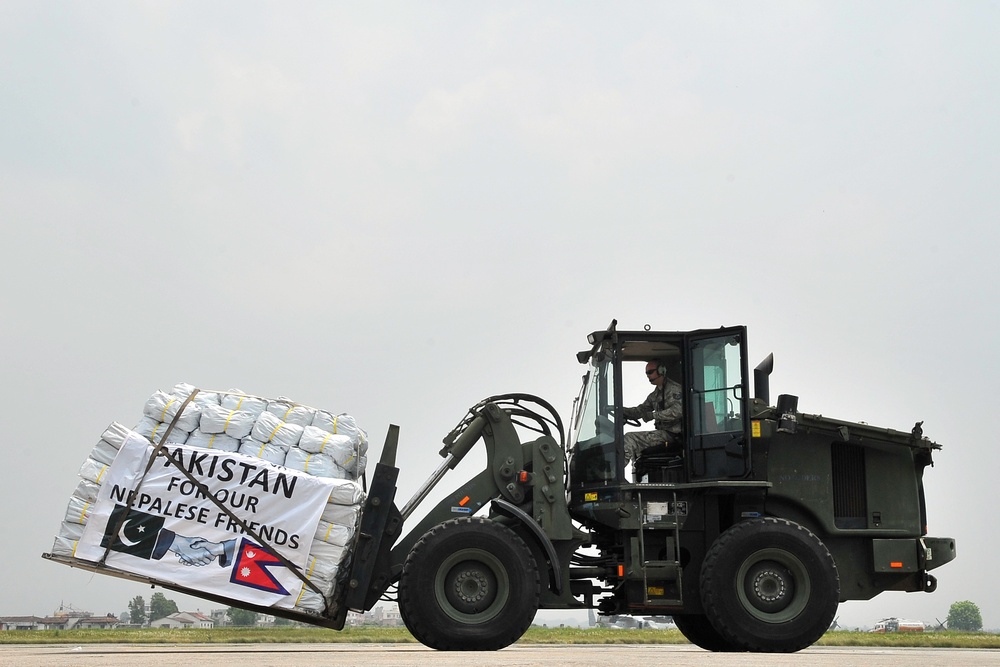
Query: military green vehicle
{"points": [[749, 536]]}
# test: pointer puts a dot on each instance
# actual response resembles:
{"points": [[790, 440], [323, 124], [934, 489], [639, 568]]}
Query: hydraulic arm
{"points": [[515, 473]]}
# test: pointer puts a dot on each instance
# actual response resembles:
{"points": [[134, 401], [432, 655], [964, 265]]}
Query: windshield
{"points": [[593, 452]]}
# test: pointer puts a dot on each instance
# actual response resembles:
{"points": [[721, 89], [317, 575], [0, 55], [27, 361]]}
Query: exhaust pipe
{"points": [[761, 383]]}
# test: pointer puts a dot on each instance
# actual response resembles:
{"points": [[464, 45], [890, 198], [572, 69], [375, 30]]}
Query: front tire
{"points": [[770, 585], [469, 584]]}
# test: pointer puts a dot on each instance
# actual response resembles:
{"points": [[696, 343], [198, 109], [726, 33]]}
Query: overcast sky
{"points": [[397, 209]]}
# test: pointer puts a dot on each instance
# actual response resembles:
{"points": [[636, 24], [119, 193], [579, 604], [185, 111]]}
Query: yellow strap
{"points": [[210, 441], [311, 567], [82, 512], [277, 428], [301, 593], [285, 416], [335, 424], [239, 403], [327, 532], [260, 454], [306, 469], [228, 417], [101, 474], [322, 445], [74, 548], [163, 415]]}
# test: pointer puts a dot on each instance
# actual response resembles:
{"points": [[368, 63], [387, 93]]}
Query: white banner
{"points": [[174, 532]]}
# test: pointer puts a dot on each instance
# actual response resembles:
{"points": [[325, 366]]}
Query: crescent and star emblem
{"points": [[124, 540]]}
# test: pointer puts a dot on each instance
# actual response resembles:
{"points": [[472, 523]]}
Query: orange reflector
{"points": [[896, 564], [523, 477], [463, 501], [621, 570]]}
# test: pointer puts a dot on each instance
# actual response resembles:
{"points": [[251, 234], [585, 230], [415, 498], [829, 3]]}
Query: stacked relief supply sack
{"points": [[91, 475], [279, 431]]}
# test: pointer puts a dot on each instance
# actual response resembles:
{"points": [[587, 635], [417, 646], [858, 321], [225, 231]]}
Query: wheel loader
{"points": [[748, 531], [749, 536]]}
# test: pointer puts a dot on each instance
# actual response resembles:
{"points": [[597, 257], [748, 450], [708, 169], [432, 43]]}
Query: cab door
{"points": [[717, 404]]}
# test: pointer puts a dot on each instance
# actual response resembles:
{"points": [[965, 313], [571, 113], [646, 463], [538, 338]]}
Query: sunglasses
{"points": [[651, 371]]}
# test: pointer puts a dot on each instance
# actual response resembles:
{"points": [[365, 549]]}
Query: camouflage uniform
{"points": [[663, 406]]}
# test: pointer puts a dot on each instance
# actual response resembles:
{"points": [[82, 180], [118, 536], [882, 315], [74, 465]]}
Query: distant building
{"points": [[184, 619], [384, 615], [65, 618], [220, 616], [22, 623], [98, 622]]}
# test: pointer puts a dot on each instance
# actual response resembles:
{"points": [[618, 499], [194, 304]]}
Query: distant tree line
{"points": [[159, 607]]}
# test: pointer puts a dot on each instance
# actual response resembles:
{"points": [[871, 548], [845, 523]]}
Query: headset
{"points": [[661, 369]]}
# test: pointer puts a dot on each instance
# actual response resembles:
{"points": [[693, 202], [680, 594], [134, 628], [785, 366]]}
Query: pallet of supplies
{"points": [[234, 496]]}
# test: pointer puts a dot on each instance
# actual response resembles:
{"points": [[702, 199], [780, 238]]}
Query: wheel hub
{"points": [[769, 587], [472, 587]]}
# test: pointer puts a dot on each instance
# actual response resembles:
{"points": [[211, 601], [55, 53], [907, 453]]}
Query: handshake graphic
{"points": [[141, 534], [199, 551]]}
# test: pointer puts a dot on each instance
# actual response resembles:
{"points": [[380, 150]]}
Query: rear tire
{"points": [[769, 585], [469, 584], [697, 629]]}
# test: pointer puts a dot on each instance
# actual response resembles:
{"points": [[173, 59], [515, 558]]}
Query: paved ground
{"points": [[407, 655]]}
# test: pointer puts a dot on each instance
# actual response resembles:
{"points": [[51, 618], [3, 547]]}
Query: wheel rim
{"points": [[773, 585], [471, 586]]}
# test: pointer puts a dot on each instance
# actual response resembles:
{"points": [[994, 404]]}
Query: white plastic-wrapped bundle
{"points": [[267, 451], [290, 412], [87, 490], [235, 399], [163, 407], [269, 428], [339, 447], [182, 390], [333, 533], [219, 441], [345, 515], [104, 452], [346, 492], [115, 435], [93, 471], [78, 510], [234, 423], [64, 546], [333, 553], [321, 572], [316, 440], [310, 600], [342, 424], [319, 465], [71, 530], [153, 431]]}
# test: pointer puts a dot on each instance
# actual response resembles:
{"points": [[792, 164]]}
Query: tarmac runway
{"points": [[414, 655]]}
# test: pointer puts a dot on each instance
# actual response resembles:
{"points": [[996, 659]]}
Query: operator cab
{"points": [[710, 366]]}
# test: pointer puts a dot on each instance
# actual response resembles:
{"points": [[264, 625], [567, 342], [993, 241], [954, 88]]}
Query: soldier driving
{"points": [[663, 408]]}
